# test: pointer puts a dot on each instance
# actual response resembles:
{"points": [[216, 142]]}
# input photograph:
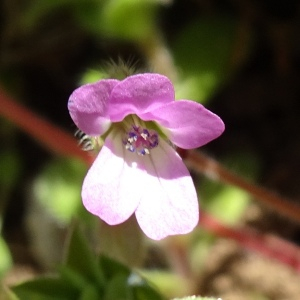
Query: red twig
{"points": [[211, 168], [266, 244], [52, 137]]}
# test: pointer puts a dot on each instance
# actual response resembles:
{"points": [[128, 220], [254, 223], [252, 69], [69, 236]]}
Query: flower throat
{"points": [[140, 140]]}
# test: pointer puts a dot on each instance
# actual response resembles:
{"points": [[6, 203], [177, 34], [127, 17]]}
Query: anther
{"points": [[140, 140]]}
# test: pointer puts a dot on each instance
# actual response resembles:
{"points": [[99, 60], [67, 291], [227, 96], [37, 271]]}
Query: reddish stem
{"points": [[211, 168], [266, 244], [52, 137]]}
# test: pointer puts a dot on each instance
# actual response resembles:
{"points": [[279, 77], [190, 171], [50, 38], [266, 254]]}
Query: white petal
{"points": [[114, 184], [169, 204]]}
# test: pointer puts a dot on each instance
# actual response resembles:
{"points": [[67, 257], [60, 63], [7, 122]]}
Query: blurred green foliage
{"points": [[202, 53], [107, 17], [85, 10], [129, 19], [5, 257], [58, 189], [228, 203], [86, 276], [10, 166]]}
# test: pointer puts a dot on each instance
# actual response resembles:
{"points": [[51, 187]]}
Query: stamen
{"points": [[140, 140]]}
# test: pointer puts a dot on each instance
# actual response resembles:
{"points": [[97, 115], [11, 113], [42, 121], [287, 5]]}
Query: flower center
{"points": [[140, 140]]}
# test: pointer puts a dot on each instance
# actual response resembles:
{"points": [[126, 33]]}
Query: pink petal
{"points": [[169, 204], [138, 94], [88, 106], [113, 187], [189, 124]]}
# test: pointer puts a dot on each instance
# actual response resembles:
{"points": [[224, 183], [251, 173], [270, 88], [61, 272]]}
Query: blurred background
{"points": [[241, 59]]}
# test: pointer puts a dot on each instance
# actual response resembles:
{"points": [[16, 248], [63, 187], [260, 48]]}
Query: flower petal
{"points": [[138, 94], [189, 124], [88, 106], [113, 185], [169, 204]]}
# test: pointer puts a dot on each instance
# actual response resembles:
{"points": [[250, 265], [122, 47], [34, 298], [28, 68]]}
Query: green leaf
{"points": [[58, 188], [10, 165], [7, 294], [124, 284], [91, 76], [73, 278], [202, 52], [90, 292], [229, 204], [169, 284], [39, 10], [127, 240], [45, 288], [129, 19], [111, 268], [81, 259], [226, 202], [142, 289], [118, 289], [87, 14], [146, 292], [5, 257]]}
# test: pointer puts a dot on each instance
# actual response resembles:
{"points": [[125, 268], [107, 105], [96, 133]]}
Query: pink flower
{"points": [[137, 170]]}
